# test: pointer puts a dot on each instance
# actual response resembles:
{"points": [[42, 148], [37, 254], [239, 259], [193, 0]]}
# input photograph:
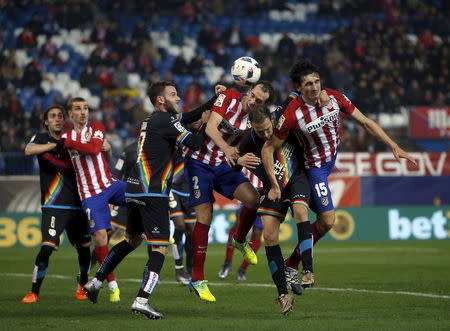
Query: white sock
{"points": [[113, 285]]}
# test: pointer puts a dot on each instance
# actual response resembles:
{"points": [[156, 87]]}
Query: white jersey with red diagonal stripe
{"points": [[317, 126], [254, 180], [233, 127], [92, 170]]}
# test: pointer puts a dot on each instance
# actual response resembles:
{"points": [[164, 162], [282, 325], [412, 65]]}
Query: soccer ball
{"points": [[245, 71]]}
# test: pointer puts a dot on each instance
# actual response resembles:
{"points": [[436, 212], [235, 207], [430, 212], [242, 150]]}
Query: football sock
{"points": [[295, 258], [254, 244], [115, 256], [199, 246], [247, 217], [40, 267], [230, 248], [151, 274], [316, 232], [188, 250], [84, 259], [276, 267], [305, 240], [177, 249]]}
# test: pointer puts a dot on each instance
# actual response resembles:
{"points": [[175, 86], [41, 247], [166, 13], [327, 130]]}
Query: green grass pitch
{"points": [[360, 285]]}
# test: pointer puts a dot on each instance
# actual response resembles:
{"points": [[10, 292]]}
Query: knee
{"points": [[100, 238], [134, 241], [161, 249], [301, 214], [46, 251], [271, 239], [253, 201]]}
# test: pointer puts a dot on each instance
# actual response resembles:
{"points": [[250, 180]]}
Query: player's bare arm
{"points": [[35, 149], [219, 89], [106, 147], [232, 153], [267, 151], [374, 129]]}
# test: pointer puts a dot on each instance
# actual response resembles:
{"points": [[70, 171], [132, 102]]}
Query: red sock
{"points": [[254, 244], [199, 247], [316, 233], [294, 260], [230, 247], [247, 217], [101, 252]]}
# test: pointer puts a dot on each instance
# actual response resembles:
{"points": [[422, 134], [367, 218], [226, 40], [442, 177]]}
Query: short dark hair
{"points": [[45, 114], [73, 100], [302, 68], [259, 114], [156, 89], [266, 87]]}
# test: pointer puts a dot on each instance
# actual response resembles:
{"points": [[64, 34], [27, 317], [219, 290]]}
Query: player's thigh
{"points": [[298, 192], [118, 193], [155, 220], [227, 181], [200, 179], [53, 224], [321, 200], [247, 194], [134, 225], [78, 228]]}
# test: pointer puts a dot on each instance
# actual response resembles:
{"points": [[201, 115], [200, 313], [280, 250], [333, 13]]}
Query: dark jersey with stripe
{"points": [[161, 134], [179, 184], [57, 177], [287, 159], [126, 162]]}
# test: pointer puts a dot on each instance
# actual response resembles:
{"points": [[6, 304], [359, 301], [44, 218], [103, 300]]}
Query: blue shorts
{"points": [[204, 178], [97, 207], [321, 200]]}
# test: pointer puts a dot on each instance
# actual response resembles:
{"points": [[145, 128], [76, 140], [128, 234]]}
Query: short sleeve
{"points": [[172, 128], [98, 131], [344, 103], [286, 123], [37, 139], [222, 102]]}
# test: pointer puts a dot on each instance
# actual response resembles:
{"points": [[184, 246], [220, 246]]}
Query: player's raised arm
{"points": [[232, 153], [267, 151], [374, 129], [35, 149], [93, 146]]}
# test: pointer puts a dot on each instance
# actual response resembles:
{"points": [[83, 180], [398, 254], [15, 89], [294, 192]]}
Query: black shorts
{"points": [[151, 216], [119, 217], [55, 221], [296, 192], [179, 206]]}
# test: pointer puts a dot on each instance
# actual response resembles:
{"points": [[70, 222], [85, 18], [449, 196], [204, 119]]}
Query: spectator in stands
{"points": [[180, 66], [205, 36], [32, 77], [286, 49], [10, 71], [120, 77], [140, 32], [193, 97], [196, 65], [26, 39], [176, 35], [221, 58], [234, 37]]}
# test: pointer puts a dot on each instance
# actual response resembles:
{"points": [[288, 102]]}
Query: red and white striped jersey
{"points": [[90, 163], [317, 126], [233, 127], [254, 180]]}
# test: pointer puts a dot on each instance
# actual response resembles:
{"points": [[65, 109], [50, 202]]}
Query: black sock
{"points": [[84, 259], [151, 274], [305, 244], [115, 256], [189, 254], [276, 267], [178, 238], [40, 267]]}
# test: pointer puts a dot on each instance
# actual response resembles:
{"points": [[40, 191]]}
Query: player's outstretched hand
{"points": [[249, 160], [274, 193], [232, 153], [219, 89], [401, 154], [59, 142]]}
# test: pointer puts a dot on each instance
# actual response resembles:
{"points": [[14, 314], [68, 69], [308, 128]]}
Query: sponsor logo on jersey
{"points": [[52, 232], [280, 122], [229, 128], [179, 127], [219, 100], [155, 230], [98, 134], [322, 120]]}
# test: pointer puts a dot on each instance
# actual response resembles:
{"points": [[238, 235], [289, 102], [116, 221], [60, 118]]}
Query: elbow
{"points": [[27, 151]]}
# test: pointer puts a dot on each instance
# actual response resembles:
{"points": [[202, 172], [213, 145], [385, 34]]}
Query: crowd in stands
{"points": [[385, 55]]}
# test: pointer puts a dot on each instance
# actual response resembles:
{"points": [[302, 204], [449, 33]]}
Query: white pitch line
{"points": [[330, 289]]}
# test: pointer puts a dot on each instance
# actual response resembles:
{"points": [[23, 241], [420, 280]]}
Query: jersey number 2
{"points": [[195, 181]]}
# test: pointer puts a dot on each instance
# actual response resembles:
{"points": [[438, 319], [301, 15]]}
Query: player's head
{"points": [[163, 95], [260, 93], [306, 78], [78, 111], [53, 119], [261, 121]]}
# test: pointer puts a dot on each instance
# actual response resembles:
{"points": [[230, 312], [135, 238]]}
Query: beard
{"points": [[170, 107]]}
